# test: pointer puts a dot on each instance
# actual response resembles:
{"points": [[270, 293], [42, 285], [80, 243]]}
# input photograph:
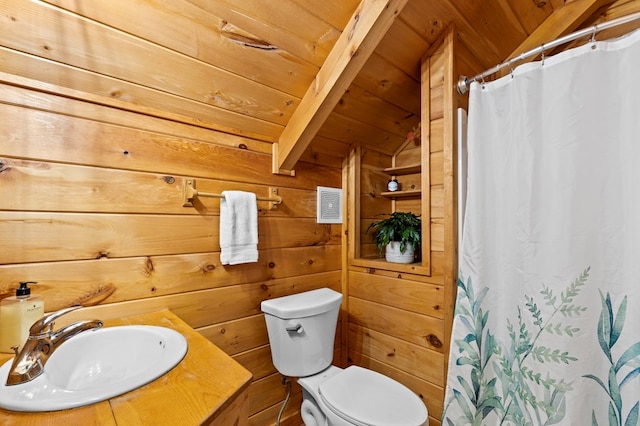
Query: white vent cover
{"points": [[329, 205]]}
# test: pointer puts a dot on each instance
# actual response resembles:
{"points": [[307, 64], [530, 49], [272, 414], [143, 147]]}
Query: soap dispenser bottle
{"points": [[17, 314]]}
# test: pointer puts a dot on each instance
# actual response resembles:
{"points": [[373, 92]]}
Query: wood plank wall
{"points": [[92, 210], [399, 323], [396, 320], [91, 206], [92, 163]]}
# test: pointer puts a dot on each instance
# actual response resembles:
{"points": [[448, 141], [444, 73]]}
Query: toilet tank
{"points": [[302, 331]]}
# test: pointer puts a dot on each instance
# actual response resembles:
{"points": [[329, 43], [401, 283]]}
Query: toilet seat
{"points": [[366, 398]]}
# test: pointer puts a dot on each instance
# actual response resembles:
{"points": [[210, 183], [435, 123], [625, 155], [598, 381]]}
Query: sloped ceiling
{"points": [[310, 76], [377, 112], [376, 102]]}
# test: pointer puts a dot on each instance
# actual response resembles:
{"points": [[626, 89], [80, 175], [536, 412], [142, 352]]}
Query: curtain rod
{"points": [[464, 82]]}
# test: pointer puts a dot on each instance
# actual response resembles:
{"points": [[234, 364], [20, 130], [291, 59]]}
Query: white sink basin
{"points": [[95, 366]]}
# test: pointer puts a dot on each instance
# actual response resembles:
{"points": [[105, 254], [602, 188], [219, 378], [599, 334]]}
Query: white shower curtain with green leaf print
{"points": [[547, 320]]}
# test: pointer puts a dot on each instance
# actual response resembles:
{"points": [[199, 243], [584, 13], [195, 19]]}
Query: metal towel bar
{"points": [[190, 192]]}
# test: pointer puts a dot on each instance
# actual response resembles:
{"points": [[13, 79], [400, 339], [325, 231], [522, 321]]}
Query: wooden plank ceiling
{"points": [[314, 76]]}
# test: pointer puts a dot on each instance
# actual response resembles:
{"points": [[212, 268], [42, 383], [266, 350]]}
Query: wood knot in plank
{"points": [[96, 296], [434, 341], [356, 19], [247, 40], [148, 266], [435, 27], [102, 254]]}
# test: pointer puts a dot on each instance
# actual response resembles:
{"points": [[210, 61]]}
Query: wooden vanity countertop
{"points": [[201, 389]]}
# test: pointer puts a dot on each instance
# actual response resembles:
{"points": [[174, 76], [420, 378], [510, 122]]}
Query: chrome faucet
{"points": [[42, 342]]}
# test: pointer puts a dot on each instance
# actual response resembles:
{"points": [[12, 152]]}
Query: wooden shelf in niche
{"points": [[399, 171], [403, 170], [380, 263], [402, 194]]}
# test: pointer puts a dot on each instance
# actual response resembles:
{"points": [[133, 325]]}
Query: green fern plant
{"points": [[404, 227]]}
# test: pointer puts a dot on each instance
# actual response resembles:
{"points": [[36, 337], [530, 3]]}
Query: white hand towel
{"points": [[238, 228]]}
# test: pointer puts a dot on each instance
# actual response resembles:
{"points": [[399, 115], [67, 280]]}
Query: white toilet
{"points": [[302, 329]]}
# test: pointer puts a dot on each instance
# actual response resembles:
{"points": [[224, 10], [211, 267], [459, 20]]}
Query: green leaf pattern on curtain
{"points": [[506, 383], [610, 326]]}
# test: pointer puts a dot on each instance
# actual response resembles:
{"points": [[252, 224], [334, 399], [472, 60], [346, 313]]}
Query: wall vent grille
{"points": [[329, 205]]}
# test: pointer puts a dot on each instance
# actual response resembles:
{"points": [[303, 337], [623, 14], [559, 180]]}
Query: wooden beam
{"points": [[561, 22], [365, 29]]}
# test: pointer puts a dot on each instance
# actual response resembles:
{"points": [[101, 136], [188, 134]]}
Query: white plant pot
{"points": [[392, 253]]}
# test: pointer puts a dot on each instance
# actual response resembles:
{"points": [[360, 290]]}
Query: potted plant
{"points": [[397, 236]]}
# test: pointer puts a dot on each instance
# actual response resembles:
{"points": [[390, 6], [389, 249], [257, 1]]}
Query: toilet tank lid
{"points": [[302, 305]]}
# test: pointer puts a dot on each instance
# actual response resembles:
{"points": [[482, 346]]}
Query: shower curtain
{"points": [[547, 320]]}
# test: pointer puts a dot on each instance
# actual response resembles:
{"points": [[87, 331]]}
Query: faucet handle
{"points": [[40, 326]]}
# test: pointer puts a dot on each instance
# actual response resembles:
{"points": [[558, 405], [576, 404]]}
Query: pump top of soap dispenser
{"points": [[24, 291]]}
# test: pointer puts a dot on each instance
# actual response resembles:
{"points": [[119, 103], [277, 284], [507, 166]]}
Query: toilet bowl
{"points": [[301, 330], [360, 397]]}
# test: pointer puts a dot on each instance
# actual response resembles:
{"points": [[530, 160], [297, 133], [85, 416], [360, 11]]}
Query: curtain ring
{"points": [[542, 52], [482, 83], [511, 69], [593, 34]]}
